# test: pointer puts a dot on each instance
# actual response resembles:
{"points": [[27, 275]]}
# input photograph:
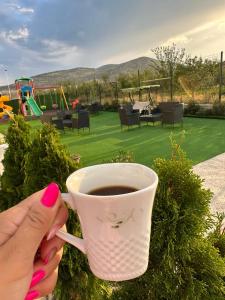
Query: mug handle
{"points": [[69, 238]]}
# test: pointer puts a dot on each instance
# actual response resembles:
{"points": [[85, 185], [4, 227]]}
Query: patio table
{"points": [[150, 118]]}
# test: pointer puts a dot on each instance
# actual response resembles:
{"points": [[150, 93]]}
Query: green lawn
{"points": [[203, 139]]}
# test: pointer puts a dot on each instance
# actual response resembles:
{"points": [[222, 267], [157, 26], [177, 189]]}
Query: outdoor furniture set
{"points": [[166, 113], [68, 119]]}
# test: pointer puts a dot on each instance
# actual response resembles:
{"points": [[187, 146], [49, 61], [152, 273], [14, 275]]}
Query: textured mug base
{"points": [[119, 277]]}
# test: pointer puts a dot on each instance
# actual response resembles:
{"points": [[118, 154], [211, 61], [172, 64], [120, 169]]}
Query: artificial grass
{"points": [[200, 138]]}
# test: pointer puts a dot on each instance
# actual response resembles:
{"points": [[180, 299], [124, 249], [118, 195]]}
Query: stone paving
{"points": [[213, 173]]}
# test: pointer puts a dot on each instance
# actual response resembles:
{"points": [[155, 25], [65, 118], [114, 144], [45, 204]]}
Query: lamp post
{"points": [[4, 68]]}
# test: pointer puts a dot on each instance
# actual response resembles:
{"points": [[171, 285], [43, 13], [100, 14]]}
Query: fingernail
{"points": [[50, 195], [53, 231], [37, 277], [50, 256], [32, 295]]}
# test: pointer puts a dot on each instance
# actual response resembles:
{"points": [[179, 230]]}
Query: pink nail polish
{"points": [[50, 195], [32, 295], [50, 256], [53, 231], [37, 277]]}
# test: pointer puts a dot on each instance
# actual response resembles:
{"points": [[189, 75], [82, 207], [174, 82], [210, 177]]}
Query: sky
{"points": [[38, 36]]}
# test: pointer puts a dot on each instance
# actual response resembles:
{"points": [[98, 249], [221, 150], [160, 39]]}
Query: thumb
{"points": [[37, 222]]}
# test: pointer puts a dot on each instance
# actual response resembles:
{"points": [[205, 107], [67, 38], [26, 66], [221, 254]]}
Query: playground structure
{"points": [[5, 110], [25, 92], [55, 103]]}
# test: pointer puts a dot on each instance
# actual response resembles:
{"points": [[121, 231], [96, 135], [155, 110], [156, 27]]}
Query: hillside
{"points": [[111, 71]]}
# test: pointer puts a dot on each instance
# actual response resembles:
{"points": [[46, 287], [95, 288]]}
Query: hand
{"points": [[29, 250]]}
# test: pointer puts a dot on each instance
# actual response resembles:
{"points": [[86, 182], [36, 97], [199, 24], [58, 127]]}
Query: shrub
{"points": [[218, 108], [12, 179], [192, 108], [217, 233], [123, 156], [183, 263], [49, 161], [113, 106]]}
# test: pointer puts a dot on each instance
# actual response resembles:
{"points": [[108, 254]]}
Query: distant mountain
{"points": [[111, 71]]}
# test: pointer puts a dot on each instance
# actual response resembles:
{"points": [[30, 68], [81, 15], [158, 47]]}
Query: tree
{"points": [[49, 161], [12, 179], [169, 58], [199, 75], [184, 264]]}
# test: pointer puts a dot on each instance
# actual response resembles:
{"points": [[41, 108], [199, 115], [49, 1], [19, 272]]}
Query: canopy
{"points": [[143, 87], [23, 79]]}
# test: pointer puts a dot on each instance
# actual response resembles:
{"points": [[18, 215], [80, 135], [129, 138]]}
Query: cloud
{"points": [[25, 10], [47, 35], [13, 36], [20, 9], [181, 39], [204, 39], [55, 51]]}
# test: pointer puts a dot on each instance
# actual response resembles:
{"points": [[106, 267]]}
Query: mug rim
{"points": [[149, 187]]}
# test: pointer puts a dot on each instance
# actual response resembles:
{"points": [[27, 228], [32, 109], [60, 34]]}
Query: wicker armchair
{"points": [[58, 123], [66, 118], [128, 119], [172, 112], [82, 120]]}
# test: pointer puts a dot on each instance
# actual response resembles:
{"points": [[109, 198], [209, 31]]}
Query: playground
{"points": [[28, 102]]}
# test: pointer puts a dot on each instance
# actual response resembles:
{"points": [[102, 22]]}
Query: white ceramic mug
{"points": [[116, 229]]}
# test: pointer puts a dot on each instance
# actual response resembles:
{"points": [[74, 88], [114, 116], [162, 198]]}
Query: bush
{"points": [[123, 156], [113, 106], [12, 179], [217, 233], [49, 161], [192, 108], [183, 263], [218, 108]]}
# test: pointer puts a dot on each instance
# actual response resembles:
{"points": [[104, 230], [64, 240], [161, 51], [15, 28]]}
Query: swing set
{"points": [[142, 106], [57, 97]]}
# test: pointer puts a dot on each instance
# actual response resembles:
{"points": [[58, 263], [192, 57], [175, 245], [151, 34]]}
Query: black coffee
{"points": [[112, 190]]}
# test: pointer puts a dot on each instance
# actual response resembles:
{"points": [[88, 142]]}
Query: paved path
{"points": [[213, 173]]}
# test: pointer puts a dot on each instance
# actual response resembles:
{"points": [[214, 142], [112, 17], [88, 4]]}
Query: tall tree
{"points": [[199, 75], [169, 58]]}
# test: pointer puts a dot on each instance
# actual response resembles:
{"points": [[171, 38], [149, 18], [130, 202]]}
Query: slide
{"points": [[34, 107]]}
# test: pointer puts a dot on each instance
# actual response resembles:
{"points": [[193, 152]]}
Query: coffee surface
{"points": [[112, 190]]}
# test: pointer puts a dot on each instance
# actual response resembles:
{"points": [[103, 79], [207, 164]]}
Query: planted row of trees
{"points": [[192, 78], [187, 248]]}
